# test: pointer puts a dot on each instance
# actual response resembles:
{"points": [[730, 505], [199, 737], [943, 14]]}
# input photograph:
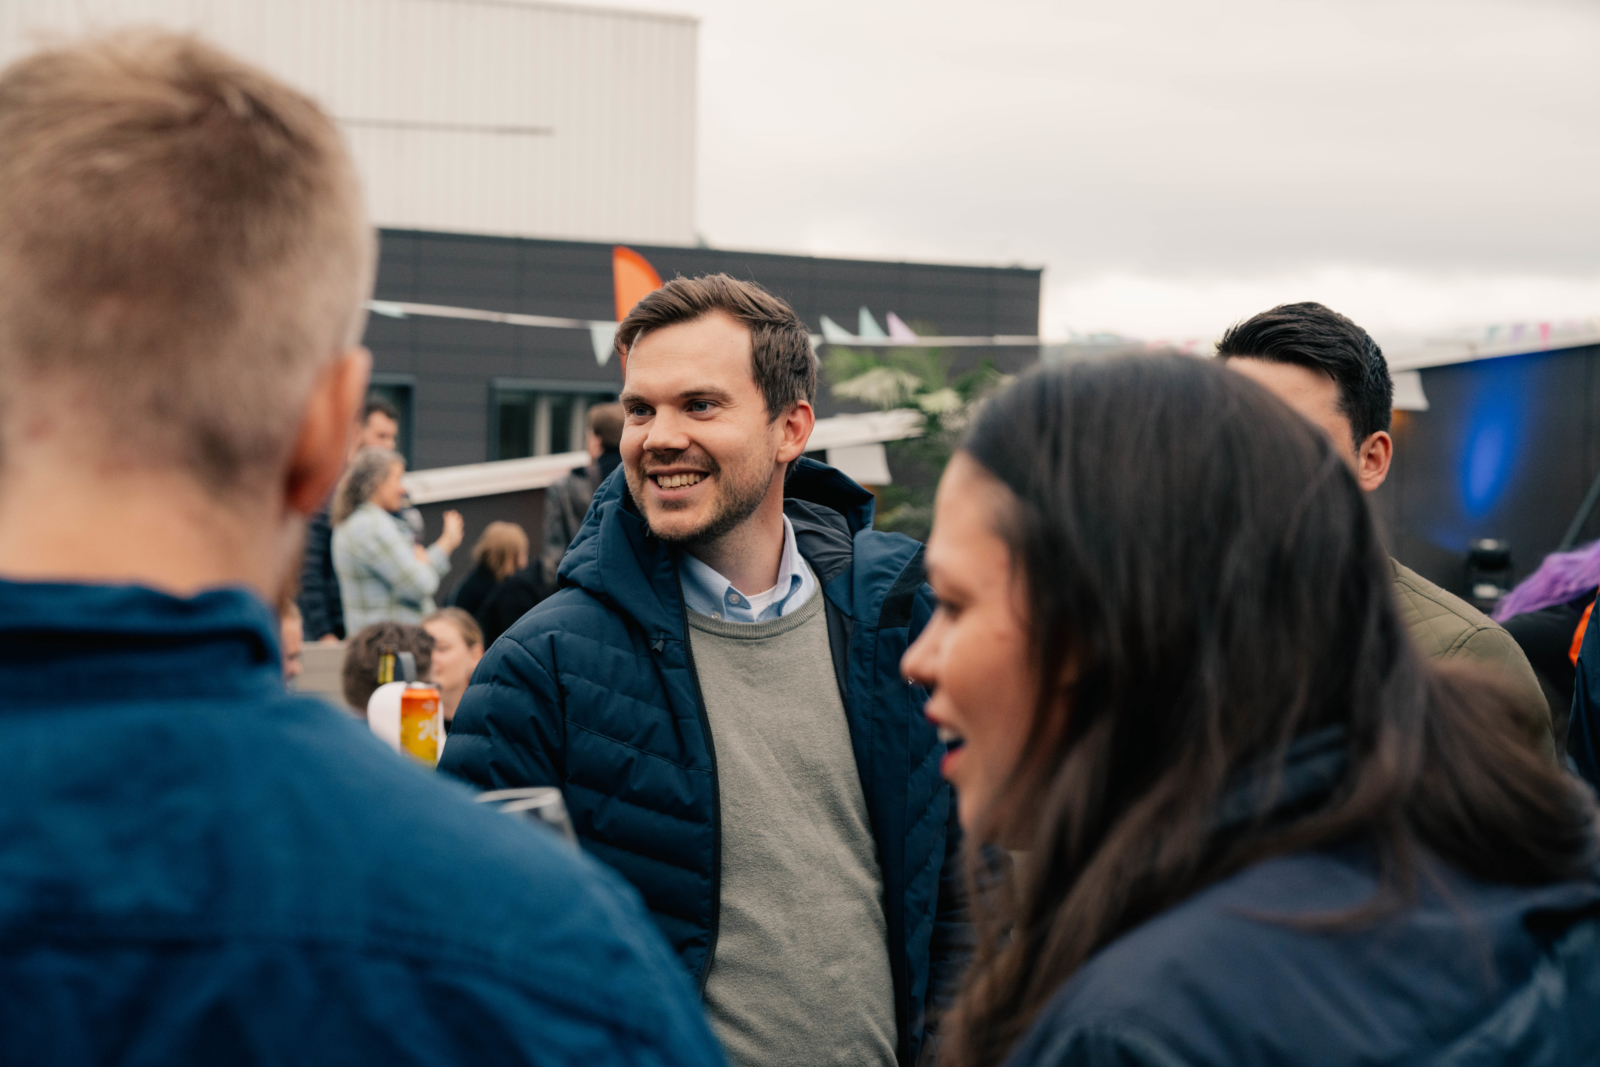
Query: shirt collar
{"points": [[708, 593]]}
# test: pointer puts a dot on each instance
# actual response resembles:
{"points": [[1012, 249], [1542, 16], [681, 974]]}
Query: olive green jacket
{"points": [[1447, 628]]}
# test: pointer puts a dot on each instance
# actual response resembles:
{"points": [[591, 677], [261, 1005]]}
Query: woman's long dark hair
{"points": [[1208, 565]]}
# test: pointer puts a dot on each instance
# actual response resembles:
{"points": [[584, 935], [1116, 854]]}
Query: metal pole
{"points": [[1589, 501]]}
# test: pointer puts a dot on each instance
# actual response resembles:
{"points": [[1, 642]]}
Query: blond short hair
{"points": [[471, 633], [500, 548], [182, 250]]}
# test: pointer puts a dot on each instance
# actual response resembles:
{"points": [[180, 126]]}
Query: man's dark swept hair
{"points": [[1313, 336], [780, 343], [379, 404]]}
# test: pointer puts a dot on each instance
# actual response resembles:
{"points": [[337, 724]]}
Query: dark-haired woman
{"points": [[1258, 829]]}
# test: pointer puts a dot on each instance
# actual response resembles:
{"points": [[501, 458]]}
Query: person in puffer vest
{"points": [[715, 689]]}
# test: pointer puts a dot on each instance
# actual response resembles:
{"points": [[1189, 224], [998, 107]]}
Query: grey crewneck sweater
{"points": [[800, 976]]}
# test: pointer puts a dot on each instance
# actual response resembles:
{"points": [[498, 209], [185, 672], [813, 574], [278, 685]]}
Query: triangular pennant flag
{"points": [[603, 335], [898, 330], [835, 334], [632, 279], [869, 328]]}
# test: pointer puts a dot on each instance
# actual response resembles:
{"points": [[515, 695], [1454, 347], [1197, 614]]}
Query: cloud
{"points": [[1435, 151], [1399, 307]]}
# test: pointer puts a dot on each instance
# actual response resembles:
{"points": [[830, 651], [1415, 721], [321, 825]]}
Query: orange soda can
{"points": [[420, 722]]}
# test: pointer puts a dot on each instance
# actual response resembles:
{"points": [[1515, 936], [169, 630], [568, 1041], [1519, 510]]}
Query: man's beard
{"points": [[735, 501]]}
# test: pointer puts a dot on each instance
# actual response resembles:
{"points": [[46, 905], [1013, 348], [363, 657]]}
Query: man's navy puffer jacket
{"points": [[594, 691]]}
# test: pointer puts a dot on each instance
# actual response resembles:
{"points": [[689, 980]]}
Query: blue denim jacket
{"points": [[198, 867]]}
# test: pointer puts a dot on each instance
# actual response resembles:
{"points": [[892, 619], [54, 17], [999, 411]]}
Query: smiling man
{"points": [[715, 689], [1332, 373]]}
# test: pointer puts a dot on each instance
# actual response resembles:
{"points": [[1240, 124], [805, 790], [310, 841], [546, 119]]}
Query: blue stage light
{"points": [[1493, 437]]}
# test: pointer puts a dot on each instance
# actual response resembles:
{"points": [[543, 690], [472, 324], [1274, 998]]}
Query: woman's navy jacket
{"points": [[595, 691], [1469, 974]]}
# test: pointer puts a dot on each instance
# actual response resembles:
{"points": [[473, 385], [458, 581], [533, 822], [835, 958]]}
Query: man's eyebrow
{"points": [[700, 392], [705, 392]]}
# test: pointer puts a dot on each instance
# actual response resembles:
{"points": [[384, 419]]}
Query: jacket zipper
{"points": [[716, 806]]}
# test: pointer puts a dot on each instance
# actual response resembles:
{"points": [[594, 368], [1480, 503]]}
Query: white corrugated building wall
{"points": [[468, 116]]}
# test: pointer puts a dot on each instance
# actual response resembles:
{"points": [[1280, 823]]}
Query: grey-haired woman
{"points": [[384, 575]]}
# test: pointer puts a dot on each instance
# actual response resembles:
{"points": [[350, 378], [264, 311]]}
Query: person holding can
{"points": [[199, 866]]}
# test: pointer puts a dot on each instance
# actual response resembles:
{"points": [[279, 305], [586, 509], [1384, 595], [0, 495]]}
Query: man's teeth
{"points": [[949, 736], [678, 481]]}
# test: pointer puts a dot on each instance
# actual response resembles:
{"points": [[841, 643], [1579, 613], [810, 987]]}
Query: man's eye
{"points": [[639, 411], [699, 407]]}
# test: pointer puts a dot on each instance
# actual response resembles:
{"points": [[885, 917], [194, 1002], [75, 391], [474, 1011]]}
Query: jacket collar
{"points": [[1313, 767], [63, 640], [617, 560]]}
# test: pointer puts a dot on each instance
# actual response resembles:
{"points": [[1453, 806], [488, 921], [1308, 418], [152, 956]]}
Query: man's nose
{"points": [[668, 433]]}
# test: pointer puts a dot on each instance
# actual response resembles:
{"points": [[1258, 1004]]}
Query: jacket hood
{"points": [[616, 559]]}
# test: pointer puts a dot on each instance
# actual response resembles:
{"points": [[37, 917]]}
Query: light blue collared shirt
{"points": [[708, 593]]}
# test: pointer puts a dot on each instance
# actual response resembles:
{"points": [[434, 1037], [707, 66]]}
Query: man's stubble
{"points": [[737, 498]]}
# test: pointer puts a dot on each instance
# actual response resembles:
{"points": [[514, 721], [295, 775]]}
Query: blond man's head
{"points": [[182, 251]]}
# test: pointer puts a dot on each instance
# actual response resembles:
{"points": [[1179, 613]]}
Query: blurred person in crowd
{"points": [[358, 674], [319, 583], [384, 575], [1546, 614], [291, 640], [200, 867], [511, 599], [1259, 827], [501, 551], [715, 689], [1332, 372], [567, 500], [457, 648]]}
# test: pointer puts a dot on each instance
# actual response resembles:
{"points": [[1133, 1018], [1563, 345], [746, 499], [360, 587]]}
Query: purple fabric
{"points": [[1561, 577]]}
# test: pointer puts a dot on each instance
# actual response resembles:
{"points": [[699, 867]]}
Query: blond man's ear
{"points": [[327, 426]]}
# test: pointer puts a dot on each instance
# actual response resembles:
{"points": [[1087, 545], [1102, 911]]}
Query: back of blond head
{"points": [[182, 250], [502, 548]]}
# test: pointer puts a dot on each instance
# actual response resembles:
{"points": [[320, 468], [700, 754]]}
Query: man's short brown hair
{"points": [[780, 344], [182, 251]]}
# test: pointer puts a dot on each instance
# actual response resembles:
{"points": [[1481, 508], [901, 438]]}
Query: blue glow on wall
{"points": [[1494, 431]]}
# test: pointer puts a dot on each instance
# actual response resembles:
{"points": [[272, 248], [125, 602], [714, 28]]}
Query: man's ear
{"points": [[795, 426], [1373, 459], [326, 427]]}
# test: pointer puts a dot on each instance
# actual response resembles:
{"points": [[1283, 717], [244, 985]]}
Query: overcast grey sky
{"points": [[1419, 164]]}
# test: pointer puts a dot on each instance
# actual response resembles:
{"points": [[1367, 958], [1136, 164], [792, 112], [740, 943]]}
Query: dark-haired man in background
{"points": [[1332, 372], [716, 689], [321, 606]]}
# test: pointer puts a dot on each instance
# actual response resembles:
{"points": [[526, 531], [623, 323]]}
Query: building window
{"points": [[396, 389], [540, 420]]}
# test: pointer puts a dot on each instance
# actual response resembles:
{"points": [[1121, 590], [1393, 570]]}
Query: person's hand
{"points": [[454, 530], [328, 639], [420, 552]]}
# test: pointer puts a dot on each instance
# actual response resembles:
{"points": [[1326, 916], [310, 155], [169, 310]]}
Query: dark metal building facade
{"points": [[454, 379]]}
